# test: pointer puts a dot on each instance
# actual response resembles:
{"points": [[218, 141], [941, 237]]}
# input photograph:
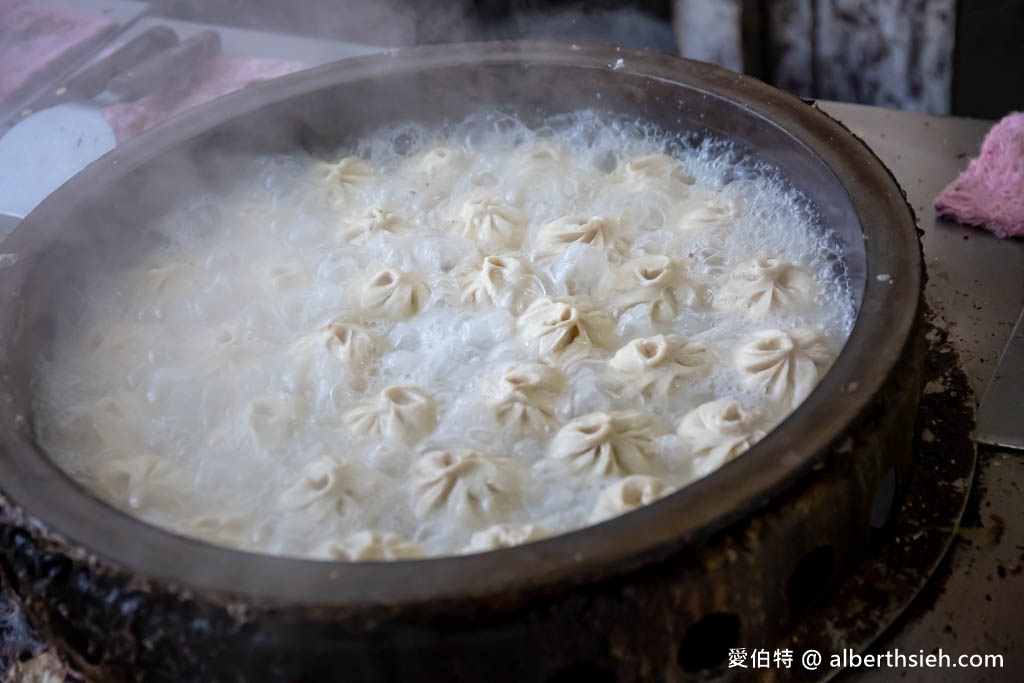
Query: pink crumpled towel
{"points": [[218, 76], [33, 38], [990, 193]]}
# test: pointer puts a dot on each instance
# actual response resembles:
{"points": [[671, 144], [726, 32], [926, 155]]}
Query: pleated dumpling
{"points": [[503, 536], [400, 414], [232, 530], [353, 348], [167, 287], [541, 170], [465, 483], [564, 328], [657, 283], [498, 281], [647, 169], [440, 163], [265, 421], [766, 285], [717, 431], [281, 275], [328, 488], [627, 495], [115, 421], [368, 546], [370, 223], [783, 365], [492, 223], [701, 211], [646, 189], [348, 171], [431, 176], [342, 179], [607, 444], [540, 159], [392, 294], [597, 231], [144, 483], [654, 366], [522, 395], [119, 339], [272, 418]]}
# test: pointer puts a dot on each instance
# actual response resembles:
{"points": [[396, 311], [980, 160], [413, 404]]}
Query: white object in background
{"points": [[45, 149]]}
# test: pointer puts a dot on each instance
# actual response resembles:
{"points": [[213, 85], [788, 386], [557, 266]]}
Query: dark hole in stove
{"points": [[882, 503], [707, 643], [811, 578], [88, 646], [7, 574], [55, 567], [583, 672]]}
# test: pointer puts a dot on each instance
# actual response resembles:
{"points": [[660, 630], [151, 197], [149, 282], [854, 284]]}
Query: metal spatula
{"points": [[1001, 415], [43, 150]]}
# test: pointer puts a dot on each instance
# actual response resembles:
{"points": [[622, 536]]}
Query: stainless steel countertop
{"points": [[975, 279], [976, 282]]}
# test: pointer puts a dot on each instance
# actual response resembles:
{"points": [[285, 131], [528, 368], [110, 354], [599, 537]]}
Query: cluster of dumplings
{"points": [[452, 351]]}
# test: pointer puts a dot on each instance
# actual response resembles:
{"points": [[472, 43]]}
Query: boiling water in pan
{"points": [[447, 341]]}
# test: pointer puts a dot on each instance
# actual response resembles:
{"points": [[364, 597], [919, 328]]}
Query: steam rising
{"points": [[191, 354]]}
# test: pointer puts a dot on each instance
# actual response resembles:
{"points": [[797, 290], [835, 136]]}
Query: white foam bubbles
{"points": [[198, 340]]}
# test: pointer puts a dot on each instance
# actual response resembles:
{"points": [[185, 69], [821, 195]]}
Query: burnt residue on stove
{"points": [[944, 493], [908, 566], [18, 643]]}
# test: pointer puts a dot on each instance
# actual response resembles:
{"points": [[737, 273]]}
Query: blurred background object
{"points": [[39, 39], [988, 63], [894, 53], [936, 56], [378, 22]]}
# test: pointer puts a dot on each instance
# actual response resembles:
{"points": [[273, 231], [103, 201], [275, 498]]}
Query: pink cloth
{"points": [[218, 76], [34, 39], [990, 193]]}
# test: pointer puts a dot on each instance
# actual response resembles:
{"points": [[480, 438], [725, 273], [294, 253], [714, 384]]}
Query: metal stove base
{"points": [[910, 545], [911, 548]]}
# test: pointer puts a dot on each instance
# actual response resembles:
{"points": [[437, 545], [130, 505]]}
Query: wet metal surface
{"points": [[976, 282], [914, 539], [1001, 415]]}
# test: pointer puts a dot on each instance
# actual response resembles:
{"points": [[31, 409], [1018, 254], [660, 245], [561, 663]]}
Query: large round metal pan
{"points": [[129, 600]]}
